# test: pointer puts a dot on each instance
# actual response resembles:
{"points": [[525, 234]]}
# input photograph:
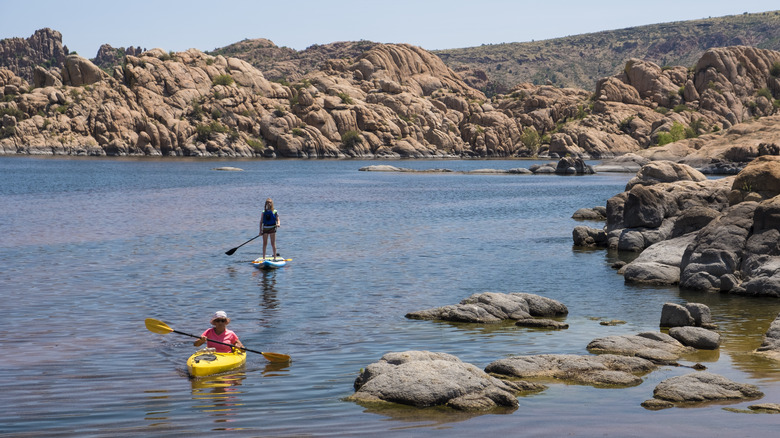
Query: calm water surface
{"points": [[92, 247]]}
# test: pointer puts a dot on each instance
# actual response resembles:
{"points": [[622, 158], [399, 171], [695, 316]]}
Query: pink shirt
{"points": [[228, 337]]}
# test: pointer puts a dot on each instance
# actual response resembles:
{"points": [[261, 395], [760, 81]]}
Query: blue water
{"points": [[92, 247]]}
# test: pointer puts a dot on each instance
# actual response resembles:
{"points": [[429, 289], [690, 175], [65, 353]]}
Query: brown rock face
{"points": [[21, 56], [366, 99]]}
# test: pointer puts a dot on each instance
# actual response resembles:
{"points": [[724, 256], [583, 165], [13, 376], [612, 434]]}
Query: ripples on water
{"points": [[91, 247]]}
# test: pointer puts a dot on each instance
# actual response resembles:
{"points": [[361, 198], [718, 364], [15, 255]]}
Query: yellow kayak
{"points": [[207, 362]]}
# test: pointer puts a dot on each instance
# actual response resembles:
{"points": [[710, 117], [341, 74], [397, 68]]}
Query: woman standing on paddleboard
{"points": [[269, 222]]}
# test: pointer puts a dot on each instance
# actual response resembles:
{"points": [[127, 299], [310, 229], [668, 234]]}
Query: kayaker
{"points": [[269, 222], [219, 333]]}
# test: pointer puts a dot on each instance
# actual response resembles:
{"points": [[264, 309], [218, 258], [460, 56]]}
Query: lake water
{"points": [[92, 247]]}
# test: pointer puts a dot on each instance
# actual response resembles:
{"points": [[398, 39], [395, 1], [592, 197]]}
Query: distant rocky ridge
{"points": [[391, 100], [582, 60]]}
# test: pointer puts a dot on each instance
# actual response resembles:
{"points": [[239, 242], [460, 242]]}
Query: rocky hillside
{"points": [[392, 100], [21, 55], [581, 60], [287, 65]]}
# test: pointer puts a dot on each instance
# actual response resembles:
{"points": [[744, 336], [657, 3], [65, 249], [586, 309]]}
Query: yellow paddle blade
{"points": [[276, 357], [157, 326]]}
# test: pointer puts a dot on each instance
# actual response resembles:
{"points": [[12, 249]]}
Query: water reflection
{"points": [[742, 323], [427, 417], [276, 369], [219, 396], [267, 282], [157, 407]]}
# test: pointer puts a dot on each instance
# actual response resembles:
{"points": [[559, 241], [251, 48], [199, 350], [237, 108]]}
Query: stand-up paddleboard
{"points": [[270, 262]]}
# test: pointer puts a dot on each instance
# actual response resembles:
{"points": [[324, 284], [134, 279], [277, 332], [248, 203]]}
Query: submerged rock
{"points": [[771, 408], [543, 323], [424, 378], [493, 307], [699, 387], [605, 370]]}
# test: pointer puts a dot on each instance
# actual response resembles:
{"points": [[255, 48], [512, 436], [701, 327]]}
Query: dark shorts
{"points": [[269, 230]]}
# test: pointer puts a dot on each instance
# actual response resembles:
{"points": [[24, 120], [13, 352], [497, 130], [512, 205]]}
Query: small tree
{"points": [[531, 139], [350, 139], [225, 80]]}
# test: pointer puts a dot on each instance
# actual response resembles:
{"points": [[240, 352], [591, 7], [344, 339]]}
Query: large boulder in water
{"points": [[605, 370], [493, 307], [424, 378], [700, 387]]}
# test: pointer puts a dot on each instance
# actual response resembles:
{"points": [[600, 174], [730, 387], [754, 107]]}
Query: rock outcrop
{"points": [[718, 235], [686, 315], [698, 388], [423, 379], [604, 370], [22, 55], [366, 99], [653, 346], [492, 307]]}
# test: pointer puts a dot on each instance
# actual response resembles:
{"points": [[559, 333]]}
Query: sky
{"points": [[175, 25]]}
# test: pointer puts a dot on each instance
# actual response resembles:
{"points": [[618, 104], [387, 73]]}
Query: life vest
{"points": [[269, 218]]}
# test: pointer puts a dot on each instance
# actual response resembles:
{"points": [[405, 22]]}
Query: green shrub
{"points": [[197, 109], [204, 132], [676, 132], [351, 138], [345, 98], [581, 112], [279, 111], [680, 108], [696, 126], [531, 139], [625, 124], [225, 80], [775, 70], [7, 131], [14, 112], [298, 132], [765, 92], [256, 145]]}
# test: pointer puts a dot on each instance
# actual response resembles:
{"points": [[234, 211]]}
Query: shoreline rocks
{"points": [[566, 166], [716, 235], [424, 379]]}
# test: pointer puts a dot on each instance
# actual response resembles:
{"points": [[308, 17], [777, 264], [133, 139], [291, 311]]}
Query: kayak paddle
{"points": [[157, 326], [232, 250]]}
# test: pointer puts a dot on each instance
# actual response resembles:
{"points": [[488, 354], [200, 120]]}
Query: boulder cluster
{"points": [[372, 100], [425, 379], [719, 234]]}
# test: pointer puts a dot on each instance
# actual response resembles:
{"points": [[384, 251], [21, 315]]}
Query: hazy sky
{"points": [[175, 25]]}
